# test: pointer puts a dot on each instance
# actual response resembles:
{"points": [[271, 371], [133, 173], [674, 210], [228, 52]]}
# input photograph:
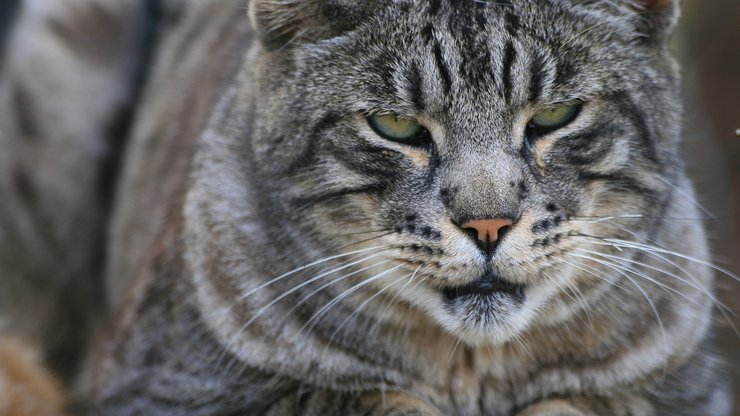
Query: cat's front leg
{"points": [[336, 404], [591, 406]]}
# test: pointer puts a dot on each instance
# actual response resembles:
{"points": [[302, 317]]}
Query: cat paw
{"points": [[551, 408]]}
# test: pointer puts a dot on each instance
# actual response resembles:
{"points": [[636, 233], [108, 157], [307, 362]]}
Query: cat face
{"points": [[428, 125]]}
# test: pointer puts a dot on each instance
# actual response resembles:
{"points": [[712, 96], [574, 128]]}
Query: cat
{"points": [[407, 207]]}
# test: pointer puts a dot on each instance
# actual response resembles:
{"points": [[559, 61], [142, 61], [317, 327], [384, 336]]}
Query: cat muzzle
{"points": [[489, 284]]}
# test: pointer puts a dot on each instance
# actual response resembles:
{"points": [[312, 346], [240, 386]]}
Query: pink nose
{"points": [[488, 230]]}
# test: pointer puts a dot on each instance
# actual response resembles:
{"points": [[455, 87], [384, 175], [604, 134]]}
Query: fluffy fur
{"points": [[268, 253]]}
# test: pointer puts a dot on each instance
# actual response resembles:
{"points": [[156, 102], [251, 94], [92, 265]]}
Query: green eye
{"points": [[399, 129], [553, 119]]}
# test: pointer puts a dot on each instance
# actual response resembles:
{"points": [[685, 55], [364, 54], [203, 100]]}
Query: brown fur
{"points": [[26, 387]]}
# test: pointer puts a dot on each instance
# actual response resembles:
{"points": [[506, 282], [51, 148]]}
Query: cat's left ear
{"points": [[280, 23], [657, 18]]}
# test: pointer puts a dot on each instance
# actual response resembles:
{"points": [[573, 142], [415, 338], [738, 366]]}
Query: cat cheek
{"points": [[419, 158]]}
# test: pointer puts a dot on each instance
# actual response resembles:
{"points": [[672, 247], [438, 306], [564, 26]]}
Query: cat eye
{"points": [[552, 119], [400, 129]]}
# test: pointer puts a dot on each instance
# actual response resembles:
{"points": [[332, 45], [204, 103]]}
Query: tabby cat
{"points": [[344, 207]]}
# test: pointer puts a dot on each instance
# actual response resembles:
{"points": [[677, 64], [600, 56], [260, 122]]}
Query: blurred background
{"points": [[708, 45]]}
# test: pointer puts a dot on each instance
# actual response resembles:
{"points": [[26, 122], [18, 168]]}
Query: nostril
{"points": [[503, 231], [472, 233]]}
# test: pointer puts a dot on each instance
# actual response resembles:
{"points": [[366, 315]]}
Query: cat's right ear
{"points": [[658, 18], [280, 23]]}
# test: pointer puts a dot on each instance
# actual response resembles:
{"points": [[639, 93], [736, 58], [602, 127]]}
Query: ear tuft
{"points": [[281, 22], [278, 22], [659, 18]]}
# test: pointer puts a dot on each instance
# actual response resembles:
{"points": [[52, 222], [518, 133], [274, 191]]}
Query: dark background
{"points": [[708, 45], [7, 9]]}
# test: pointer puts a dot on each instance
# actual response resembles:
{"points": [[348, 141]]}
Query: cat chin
{"points": [[491, 335], [479, 320], [501, 317]]}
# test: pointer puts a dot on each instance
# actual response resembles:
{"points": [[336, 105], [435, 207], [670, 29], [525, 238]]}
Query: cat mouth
{"points": [[488, 286]]}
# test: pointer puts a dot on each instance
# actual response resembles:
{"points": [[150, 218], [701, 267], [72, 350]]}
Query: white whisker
{"points": [[306, 266], [685, 195], [647, 248], [361, 307], [693, 284], [314, 319], [577, 297], [331, 283], [620, 270]]}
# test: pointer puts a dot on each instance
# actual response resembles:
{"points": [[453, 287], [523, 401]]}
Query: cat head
{"points": [[279, 22], [481, 158]]}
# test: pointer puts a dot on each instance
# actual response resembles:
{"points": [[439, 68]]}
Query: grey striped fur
{"points": [[268, 253]]}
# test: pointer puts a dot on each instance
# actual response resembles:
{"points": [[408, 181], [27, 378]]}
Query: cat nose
{"points": [[487, 232]]}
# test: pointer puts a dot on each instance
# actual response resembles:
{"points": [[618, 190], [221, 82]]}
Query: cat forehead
{"points": [[485, 49], [476, 24], [513, 15], [282, 24]]}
